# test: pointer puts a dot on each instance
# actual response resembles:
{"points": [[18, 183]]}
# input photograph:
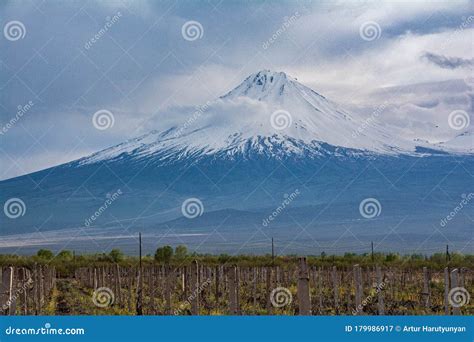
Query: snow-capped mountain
{"points": [[242, 156], [268, 113]]}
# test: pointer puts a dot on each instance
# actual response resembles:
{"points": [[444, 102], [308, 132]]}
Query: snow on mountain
{"points": [[241, 155], [268, 113], [462, 142]]}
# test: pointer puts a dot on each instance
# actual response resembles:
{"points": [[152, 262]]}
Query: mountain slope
{"points": [[242, 156], [269, 113]]}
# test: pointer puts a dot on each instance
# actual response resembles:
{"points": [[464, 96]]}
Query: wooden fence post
{"points": [[139, 303], [335, 284], [185, 282], [130, 288], [194, 288], [426, 288], [217, 281], [233, 290], [6, 290], [40, 289], [13, 291], [118, 285], [380, 288], [25, 281], [269, 289], [170, 275], [320, 289], [303, 288], [446, 291], [96, 282], [254, 288], [454, 284], [358, 289]]}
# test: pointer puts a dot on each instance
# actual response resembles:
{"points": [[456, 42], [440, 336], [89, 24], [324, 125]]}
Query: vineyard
{"points": [[294, 288]]}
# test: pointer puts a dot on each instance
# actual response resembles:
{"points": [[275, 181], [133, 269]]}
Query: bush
{"points": [[65, 255], [180, 252], [116, 255], [164, 254], [45, 254]]}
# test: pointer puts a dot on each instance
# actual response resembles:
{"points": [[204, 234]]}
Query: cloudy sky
{"points": [[61, 62]]}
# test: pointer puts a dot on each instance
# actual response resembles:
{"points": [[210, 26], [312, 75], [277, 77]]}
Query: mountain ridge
{"points": [[240, 168], [273, 114]]}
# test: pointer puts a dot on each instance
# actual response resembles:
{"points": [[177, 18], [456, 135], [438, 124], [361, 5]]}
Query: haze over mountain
{"points": [[269, 141]]}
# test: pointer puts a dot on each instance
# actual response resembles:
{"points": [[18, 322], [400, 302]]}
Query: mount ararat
{"points": [[271, 147]]}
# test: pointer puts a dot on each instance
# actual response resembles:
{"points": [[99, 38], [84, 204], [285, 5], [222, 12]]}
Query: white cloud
{"points": [[396, 62]]}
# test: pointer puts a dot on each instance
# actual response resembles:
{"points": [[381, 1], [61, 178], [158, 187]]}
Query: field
{"points": [[113, 284]]}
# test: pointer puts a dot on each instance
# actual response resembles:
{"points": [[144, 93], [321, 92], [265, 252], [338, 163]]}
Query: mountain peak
{"points": [[271, 114], [269, 75], [261, 85]]}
